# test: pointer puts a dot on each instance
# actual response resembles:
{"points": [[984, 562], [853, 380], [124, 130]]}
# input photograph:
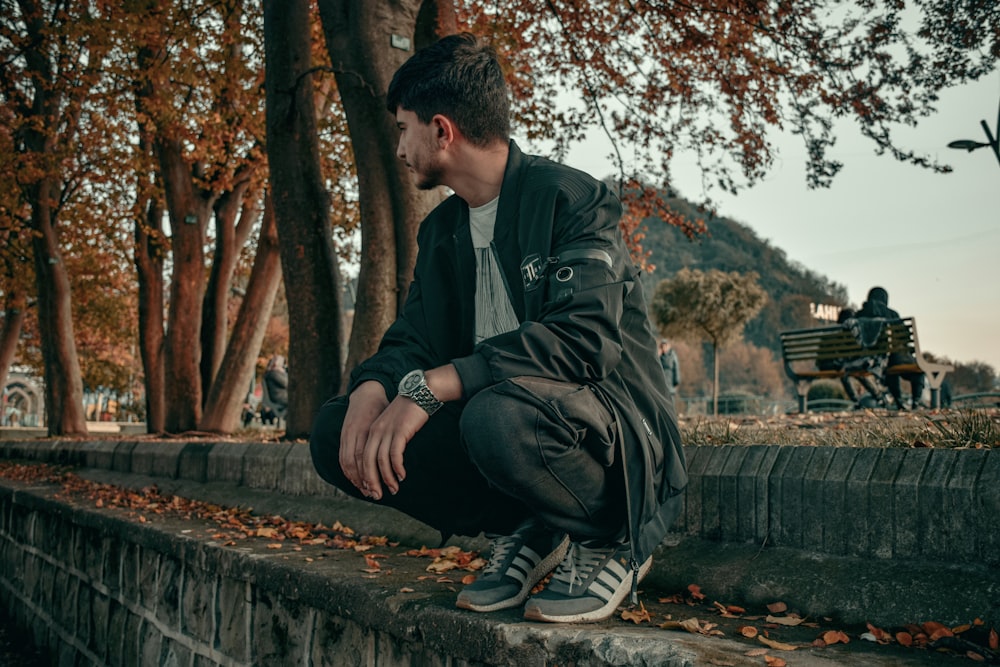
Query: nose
{"points": [[400, 151]]}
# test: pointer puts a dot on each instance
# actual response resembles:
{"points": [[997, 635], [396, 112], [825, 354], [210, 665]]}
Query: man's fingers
{"points": [[396, 460]]}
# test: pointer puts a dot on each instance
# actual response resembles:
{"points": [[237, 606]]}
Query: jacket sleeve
{"points": [[405, 344], [574, 333]]}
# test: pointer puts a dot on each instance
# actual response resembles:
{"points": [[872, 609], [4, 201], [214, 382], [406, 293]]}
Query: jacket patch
{"points": [[531, 271]]}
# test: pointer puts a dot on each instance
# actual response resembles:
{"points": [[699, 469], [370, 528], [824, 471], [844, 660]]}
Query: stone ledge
{"points": [[916, 526], [163, 592]]}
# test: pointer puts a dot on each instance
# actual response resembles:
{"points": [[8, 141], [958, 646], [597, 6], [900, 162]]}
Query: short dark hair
{"points": [[460, 77]]}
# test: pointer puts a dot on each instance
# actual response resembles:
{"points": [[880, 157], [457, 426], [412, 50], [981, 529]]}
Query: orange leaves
{"points": [[449, 558], [781, 646], [831, 637], [694, 626], [637, 616]]}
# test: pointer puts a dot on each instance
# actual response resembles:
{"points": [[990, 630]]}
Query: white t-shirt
{"points": [[494, 312]]}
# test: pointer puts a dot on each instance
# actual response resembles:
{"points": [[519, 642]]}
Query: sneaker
{"points": [[588, 586], [517, 562]]}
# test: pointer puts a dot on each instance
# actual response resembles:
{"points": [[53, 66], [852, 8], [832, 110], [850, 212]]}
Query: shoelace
{"points": [[499, 549], [579, 562]]}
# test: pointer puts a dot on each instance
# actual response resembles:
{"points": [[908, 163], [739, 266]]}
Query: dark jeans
{"points": [[916, 381], [525, 447]]}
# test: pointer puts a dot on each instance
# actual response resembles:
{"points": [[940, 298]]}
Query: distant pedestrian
{"points": [[671, 366], [274, 399]]}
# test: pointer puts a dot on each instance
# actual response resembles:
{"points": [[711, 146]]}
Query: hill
{"points": [[732, 246]]}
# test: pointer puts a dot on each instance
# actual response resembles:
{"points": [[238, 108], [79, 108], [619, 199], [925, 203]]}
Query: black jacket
{"points": [[583, 319]]}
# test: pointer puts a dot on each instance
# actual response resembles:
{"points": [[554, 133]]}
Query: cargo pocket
{"points": [[575, 407]]}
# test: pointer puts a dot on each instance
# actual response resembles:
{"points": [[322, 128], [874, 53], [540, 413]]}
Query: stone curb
{"points": [[905, 534]]}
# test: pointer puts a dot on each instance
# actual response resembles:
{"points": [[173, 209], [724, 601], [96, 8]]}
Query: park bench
{"points": [[804, 349]]}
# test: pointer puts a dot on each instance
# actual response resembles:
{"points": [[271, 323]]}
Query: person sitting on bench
{"points": [[877, 305]]}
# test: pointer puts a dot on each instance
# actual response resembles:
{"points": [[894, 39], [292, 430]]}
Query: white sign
{"points": [[824, 311]]}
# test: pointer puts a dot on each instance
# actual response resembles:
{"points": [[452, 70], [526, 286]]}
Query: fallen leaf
{"points": [[881, 636], [468, 579], [781, 646], [777, 607], [975, 657], [747, 631], [958, 629], [774, 661], [267, 532], [936, 630], [695, 591], [791, 619], [274, 545], [994, 639], [904, 638], [831, 637], [637, 616], [405, 590], [756, 652]]}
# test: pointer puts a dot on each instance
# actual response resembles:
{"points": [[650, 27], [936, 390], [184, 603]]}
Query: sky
{"points": [[931, 240]]}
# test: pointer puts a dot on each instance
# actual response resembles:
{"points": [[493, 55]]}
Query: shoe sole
{"points": [[600, 614], [545, 566]]}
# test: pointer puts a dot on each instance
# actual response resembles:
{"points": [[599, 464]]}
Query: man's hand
{"points": [[366, 403], [376, 432], [387, 439]]}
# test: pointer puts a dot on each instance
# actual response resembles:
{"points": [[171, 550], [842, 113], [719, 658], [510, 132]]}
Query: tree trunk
{"points": [[63, 382], [228, 391], [391, 208], [715, 380], [189, 213], [149, 259], [308, 260], [233, 222], [15, 310]]}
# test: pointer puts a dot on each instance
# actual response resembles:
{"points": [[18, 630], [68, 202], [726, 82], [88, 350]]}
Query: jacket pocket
{"points": [[575, 407]]}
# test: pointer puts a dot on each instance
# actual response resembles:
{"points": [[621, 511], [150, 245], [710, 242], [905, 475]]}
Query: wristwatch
{"points": [[414, 387]]}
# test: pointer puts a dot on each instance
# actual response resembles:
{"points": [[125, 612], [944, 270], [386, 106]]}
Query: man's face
{"points": [[418, 147]]}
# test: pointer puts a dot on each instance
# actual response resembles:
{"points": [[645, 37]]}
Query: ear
{"points": [[444, 129]]}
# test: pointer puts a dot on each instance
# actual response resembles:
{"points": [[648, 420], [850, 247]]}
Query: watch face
{"points": [[410, 382]]}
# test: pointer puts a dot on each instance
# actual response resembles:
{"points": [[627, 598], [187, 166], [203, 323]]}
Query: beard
{"points": [[429, 178]]}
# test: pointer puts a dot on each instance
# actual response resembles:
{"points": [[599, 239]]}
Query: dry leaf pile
{"points": [[974, 641]]}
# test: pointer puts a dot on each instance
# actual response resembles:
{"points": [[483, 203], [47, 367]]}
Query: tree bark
{"points": [[15, 311], [63, 382], [234, 219], [301, 208], [391, 208], [189, 212], [49, 128], [228, 391], [149, 259]]}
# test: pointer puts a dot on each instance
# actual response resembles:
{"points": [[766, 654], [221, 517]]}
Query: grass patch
{"points": [[950, 429]]}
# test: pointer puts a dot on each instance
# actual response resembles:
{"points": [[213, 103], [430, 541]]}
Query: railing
{"points": [[734, 404]]}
